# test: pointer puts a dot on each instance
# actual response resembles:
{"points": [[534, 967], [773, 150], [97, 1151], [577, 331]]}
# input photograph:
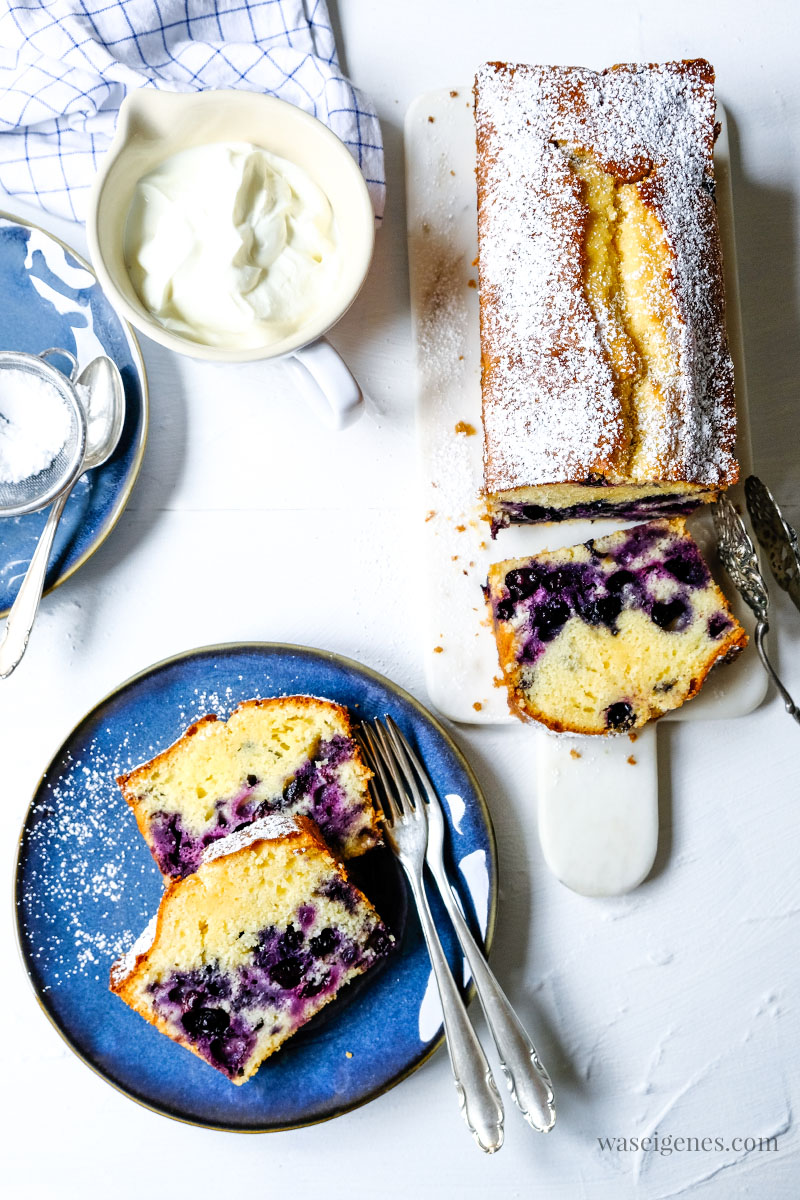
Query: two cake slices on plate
{"points": [[607, 382], [259, 927]]}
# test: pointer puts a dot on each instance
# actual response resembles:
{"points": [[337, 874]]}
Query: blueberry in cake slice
{"points": [[601, 637], [291, 754], [249, 947]]}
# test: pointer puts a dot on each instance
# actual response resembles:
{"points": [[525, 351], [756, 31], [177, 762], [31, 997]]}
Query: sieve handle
{"points": [[23, 611], [73, 373]]}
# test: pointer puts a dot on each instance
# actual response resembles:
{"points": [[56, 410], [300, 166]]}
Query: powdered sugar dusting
{"points": [[124, 965], [270, 828], [83, 891], [551, 409]]}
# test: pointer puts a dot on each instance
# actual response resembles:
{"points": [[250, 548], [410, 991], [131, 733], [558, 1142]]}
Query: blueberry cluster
{"points": [[632, 510], [313, 791], [287, 968], [597, 591], [200, 1001]]}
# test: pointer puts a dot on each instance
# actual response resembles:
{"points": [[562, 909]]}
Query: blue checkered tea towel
{"points": [[66, 65]]}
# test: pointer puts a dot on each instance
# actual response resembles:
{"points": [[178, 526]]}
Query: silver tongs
{"points": [[738, 556], [776, 535]]}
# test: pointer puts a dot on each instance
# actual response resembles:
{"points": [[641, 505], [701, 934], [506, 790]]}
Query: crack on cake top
{"points": [[551, 413]]}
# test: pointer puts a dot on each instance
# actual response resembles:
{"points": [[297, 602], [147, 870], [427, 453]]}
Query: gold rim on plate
{"points": [[223, 648]]}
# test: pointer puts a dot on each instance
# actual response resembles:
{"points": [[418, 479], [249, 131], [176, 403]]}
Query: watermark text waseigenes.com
{"points": [[668, 1143]]}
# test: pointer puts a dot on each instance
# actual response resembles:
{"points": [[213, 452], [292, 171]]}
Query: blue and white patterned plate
{"points": [[50, 297], [86, 885]]}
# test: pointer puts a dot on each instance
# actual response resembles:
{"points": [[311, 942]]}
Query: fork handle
{"points": [[478, 1095], [528, 1081]]}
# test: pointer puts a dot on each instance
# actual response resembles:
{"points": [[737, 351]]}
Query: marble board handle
{"points": [[598, 810]]}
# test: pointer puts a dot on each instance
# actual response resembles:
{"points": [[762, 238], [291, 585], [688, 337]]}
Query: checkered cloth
{"points": [[65, 66]]}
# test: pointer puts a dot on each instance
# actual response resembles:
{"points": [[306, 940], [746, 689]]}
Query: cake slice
{"points": [[291, 754], [249, 947], [601, 637]]}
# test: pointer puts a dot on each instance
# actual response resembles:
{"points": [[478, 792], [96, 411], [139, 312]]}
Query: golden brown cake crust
{"points": [[553, 408]]}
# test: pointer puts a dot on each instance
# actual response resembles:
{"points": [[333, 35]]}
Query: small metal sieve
{"points": [[36, 491]]}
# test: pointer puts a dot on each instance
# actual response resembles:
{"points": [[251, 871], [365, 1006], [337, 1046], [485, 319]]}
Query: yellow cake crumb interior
{"points": [[626, 276], [587, 668], [266, 741], [215, 918]]}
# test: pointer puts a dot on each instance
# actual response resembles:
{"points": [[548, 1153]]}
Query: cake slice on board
{"points": [[601, 637]]}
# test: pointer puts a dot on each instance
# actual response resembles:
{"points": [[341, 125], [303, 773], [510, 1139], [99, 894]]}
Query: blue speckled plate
{"points": [[86, 886], [50, 297]]}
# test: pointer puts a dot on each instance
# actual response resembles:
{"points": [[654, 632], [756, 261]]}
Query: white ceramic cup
{"points": [[152, 126]]}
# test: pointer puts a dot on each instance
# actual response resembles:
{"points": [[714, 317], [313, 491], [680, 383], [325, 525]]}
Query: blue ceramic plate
{"points": [[50, 297], [87, 885]]}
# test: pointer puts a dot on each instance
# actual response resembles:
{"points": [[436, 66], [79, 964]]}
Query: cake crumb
{"points": [[574, 753], [453, 95], [438, 649], [348, 1053], [473, 283], [633, 736], [631, 760], [460, 528], [475, 261], [430, 514], [452, 173], [477, 705], [461, 358], [453, 558], [431, 120], [465, 428]]}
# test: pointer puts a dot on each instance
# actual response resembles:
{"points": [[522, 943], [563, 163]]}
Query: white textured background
{"points": [[674, 1009]]}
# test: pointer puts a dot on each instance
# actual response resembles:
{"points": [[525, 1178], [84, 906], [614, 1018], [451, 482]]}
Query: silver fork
{"points": [[528, 1081], [406, 828]]}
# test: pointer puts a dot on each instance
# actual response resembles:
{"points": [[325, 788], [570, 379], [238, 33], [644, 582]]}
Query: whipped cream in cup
{"points": [[229, 245], [232, 226]]}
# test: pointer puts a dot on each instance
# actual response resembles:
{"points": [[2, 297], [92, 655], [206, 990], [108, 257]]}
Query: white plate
{"points": [[459, 651]]}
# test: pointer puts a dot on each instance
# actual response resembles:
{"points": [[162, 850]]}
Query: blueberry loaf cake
{"points": [[249, 947], [290, 754], [606, 377], [601, 637]]}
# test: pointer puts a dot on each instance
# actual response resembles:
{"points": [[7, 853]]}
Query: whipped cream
{"points": [[230, 245]]}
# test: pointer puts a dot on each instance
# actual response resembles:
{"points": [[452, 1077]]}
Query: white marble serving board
{"points": [[619, 827]]}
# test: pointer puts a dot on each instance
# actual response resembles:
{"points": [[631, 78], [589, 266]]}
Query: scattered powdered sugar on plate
{"points": [[78, 870], [87, 882]]}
